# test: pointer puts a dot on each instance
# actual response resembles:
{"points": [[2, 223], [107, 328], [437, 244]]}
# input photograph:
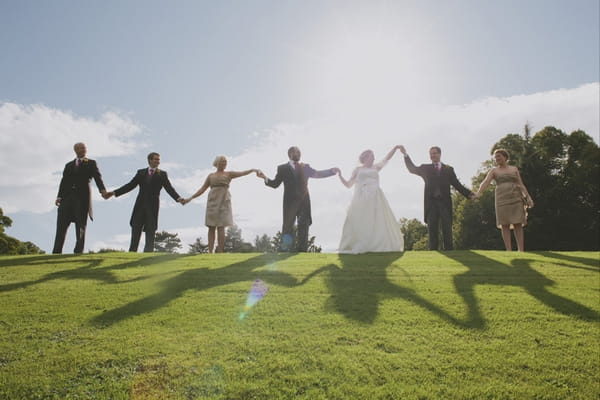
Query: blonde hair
{"points": [[503, 152], [218, 159]]}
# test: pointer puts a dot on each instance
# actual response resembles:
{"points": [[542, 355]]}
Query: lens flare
{"points": [[258, 291]]}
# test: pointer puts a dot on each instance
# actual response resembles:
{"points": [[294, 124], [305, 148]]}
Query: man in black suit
{"points": [[74, 200], [438, 204], [151, 180], [296, 199]]}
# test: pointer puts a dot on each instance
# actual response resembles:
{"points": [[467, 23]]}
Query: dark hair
{"points": [[503, 152], [436, 148], [151, 155], [290, 150]]}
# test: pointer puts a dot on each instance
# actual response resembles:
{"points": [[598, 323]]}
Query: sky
{"points": [[196, 79]]}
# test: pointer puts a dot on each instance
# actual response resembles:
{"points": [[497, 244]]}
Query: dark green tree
{"points": [[413, 231], [12, 246], [166, 242]]}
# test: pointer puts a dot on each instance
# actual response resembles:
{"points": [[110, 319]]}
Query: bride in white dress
{"points": [[370, 224]]}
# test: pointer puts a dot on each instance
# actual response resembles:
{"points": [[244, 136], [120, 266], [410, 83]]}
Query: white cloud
{"points": [[465, 133], [37, 141]]}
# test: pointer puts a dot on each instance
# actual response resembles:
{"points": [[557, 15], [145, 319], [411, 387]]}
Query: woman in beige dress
{"points": [[218, 203], [512, 199]]}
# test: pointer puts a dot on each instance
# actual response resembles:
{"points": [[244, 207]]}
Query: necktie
{"points": [[151, 171], [77, 162]]}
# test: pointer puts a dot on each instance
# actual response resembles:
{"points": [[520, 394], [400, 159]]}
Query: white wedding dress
{"points": [[370, 224]]}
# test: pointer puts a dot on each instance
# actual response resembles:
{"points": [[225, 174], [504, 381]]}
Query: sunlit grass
{"points": [[417, 325]]}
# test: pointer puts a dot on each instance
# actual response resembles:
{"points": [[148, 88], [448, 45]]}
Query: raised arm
{"points": [[387, 158], [349, 183], [202, 189], [412, 168]]}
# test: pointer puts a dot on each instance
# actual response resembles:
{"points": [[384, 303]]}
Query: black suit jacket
{"points": [[437, 184], [295, 188], [74, 188], [148, 198]]}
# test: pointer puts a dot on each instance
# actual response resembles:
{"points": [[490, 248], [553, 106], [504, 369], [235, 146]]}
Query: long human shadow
{"points": [[201, 279], [483, 270], [592, 263], [359, 285], [87, 272]]}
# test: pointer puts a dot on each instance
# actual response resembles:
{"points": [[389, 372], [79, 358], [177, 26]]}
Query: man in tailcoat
{"points": [[144, 218], [296, 199], [74, 200], [438, 178]]}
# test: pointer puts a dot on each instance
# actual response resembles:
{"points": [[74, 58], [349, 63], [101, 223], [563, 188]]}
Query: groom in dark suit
{"points": [[74, 199], [151, 180], [438, 204], [296, 199]]}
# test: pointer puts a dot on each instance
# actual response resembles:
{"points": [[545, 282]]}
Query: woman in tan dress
{"points": [[218, 203], [512, 199]]}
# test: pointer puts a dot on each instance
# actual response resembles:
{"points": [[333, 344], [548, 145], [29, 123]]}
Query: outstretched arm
{"points": [[237, 174], [348, 183], [202, 189]]}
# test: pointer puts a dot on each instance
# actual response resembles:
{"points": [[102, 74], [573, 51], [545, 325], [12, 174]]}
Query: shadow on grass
{"points": [[483, 270], [592, 263], [201, 279], [361, 283], [88, 272]]}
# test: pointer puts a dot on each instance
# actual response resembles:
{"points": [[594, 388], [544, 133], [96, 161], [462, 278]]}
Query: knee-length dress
{"points": [[218, 203], [510, 207]]}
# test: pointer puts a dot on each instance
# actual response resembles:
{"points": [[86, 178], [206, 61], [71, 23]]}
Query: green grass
{"points": [[418, 325]]}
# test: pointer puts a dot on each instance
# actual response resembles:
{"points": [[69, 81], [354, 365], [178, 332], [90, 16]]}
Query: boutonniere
{"points": [[157, 171], [85, 159]]}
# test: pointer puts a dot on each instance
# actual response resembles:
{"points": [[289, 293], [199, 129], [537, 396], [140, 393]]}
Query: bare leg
{"points": [[506, 237], [520, 236], [211, 238], [220, 238]]}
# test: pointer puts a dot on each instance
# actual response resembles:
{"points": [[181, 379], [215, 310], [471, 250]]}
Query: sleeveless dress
{"points": [[510, 207], [218, 203], [370, 224]]}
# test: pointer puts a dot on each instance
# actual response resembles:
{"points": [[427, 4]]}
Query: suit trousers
{"points": [[136, 234], [288, 229], [137, 226], [63, 220], [439, 212]]}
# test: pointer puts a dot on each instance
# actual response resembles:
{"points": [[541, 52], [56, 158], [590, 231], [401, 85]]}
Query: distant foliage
{"points": [[11, 246], [166, 242], [264, 244], [234, 243], [198, 247], [414, 231]]}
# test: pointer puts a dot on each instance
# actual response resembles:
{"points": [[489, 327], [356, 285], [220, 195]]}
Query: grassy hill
{"points": [[418, 325]]}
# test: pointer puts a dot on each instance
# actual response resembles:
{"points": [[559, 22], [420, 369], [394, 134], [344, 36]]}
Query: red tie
{"points": [[151, 171], [77, 162]]}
